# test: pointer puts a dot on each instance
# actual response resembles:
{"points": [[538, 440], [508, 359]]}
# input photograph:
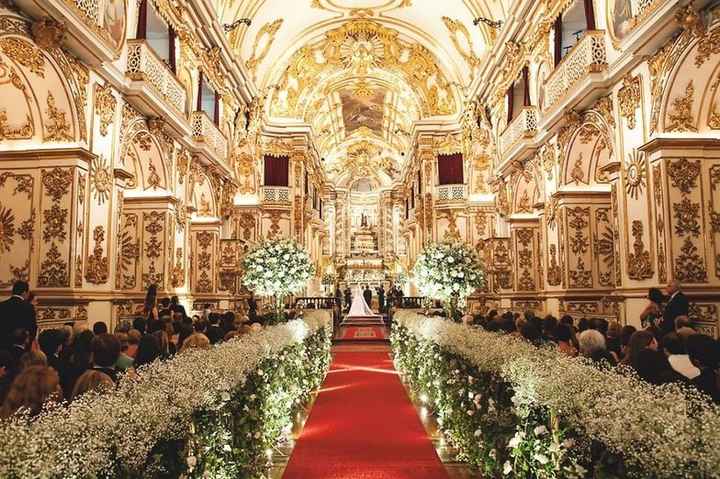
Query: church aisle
{"points": [[363, 426]]}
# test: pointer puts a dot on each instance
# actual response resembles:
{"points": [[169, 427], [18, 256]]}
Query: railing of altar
{"points": [[316, 302]]}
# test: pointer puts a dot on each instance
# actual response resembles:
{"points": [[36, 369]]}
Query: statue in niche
{"points": [[363, 220]]}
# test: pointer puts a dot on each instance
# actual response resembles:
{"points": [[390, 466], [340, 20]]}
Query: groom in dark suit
{"points": [[677, 305], [367, 294]]}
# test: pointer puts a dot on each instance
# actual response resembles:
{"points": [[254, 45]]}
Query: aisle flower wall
{"points": [[204, 413], [516, 410]]}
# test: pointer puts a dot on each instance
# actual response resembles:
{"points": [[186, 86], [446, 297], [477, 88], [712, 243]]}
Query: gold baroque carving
{"points": [[7, 229], [684, 174], [105, 104], [25, 53], [639, 263], [101, 178], [53, 270], [554, 274], [58, 128], [629, 99], [635, 174], [268, 31], [686, 214], [689, 265], [456, 27], [97, 264], [177, 278], [680, 116]]}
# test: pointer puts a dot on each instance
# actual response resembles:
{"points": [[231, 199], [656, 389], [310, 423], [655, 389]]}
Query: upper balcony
{"points": [[156, 90], [209, 137], [523, 127], [451, 192], [588, 56], [276, 195]]}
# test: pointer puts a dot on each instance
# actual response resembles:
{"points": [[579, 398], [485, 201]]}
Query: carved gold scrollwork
{"points": [[639, 263], [681, 116], [635, 174], [98, 269], [105, 104], [684, 174], [629, 99], [456, 27], [58, 128], [25, 53]]}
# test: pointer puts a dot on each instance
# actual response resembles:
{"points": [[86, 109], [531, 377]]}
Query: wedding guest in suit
{"points": [[348, 297], [367, 294], [17, 313], [381, 298], [677, 305]]}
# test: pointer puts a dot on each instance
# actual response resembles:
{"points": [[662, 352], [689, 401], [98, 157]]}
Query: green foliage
{"points": [[476, 413], [232, 439]]}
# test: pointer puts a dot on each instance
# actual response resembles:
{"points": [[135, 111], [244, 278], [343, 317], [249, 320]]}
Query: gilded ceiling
{"points": [[361, 72]]}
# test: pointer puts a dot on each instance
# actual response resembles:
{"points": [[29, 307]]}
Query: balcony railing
{"points": [[276, 194], [205, 132], [451, 192], [589, 55], [144, 65], [524, 126]]}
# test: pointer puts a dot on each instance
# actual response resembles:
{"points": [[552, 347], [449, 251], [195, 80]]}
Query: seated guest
{"points": [[653, 367], [674, 348], [704, 353], [592, 346], [625, 334], [91, 380], [548, 327], [32, 358], [30, 390], [195, 341], [18, 346], [6, 362], [51, 343], [683, 326], [176, 307], [638, 341], [148, 351], [100, 328], [79, 362], [140, 324], [123, 326], [105, 353], [614, 342], [531, 333], [562, 338], [124, 361], [134, 337]]}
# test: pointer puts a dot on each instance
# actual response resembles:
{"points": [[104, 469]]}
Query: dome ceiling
{"points": [[361, 72]]}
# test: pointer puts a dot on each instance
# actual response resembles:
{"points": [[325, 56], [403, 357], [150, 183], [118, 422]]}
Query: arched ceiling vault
{"points": [[361, 72]]}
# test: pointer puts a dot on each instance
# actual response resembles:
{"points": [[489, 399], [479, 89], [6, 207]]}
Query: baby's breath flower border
{"points": [[205, 413], [516, 410]]}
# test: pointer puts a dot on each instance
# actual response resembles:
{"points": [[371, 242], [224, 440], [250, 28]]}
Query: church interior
{"points": [[568, 151]]}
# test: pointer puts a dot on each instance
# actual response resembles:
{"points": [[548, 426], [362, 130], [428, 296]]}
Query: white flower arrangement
{"points": [[277, 268], [448, 271], [658, 431], [97, 434]]}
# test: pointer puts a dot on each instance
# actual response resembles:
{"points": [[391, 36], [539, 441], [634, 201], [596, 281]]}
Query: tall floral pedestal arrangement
{"points": [[277, 268], [449, 272]]}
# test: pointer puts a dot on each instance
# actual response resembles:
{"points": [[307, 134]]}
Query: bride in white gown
{"points": [[359, 307]]}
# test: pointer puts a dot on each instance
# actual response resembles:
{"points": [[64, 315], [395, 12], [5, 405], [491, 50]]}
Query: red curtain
{"points": [[450, 169], [276, 170]]}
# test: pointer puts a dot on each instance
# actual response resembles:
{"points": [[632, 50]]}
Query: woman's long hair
{"points": [[30, 389]]}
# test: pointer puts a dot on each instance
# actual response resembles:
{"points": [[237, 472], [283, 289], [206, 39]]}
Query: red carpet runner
{"points": [[363, 333], [363, 426]]}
